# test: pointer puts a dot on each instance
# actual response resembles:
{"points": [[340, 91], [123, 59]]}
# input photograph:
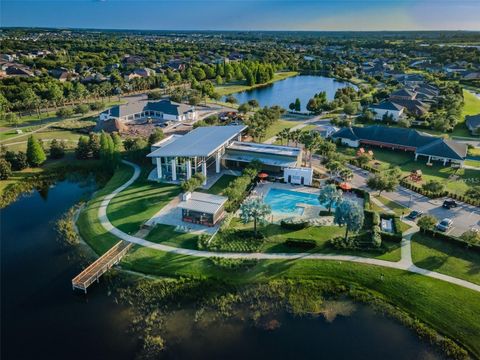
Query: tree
{"points": [[254, 209], [385, 181], [193, 183], [433, 186], [350, 108], [333, 167], [5, 169], [329, 195], [117, 141], [82, 109], [219, 80], [94, 145], [283, 134], [18, 160], [64, 112], [156, 136], [346, 174], [57, 149], [427, 222], [291, 106], [350, 214], [82, 150], [244, 108], [35, 153], [231, 99], [298, 105], [471, 237], [12, 118], [363, 160]]}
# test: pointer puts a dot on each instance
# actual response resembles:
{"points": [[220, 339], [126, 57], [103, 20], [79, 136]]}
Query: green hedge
{"points": [[304, 244], [290, 225], [396, 236], [451, 239]]}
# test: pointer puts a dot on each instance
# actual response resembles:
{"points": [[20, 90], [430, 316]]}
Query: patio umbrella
{"points": [[345, 186], [262, 175]]}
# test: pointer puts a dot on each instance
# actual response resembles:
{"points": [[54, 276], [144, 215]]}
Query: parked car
{"points": [[414, 214], [448, 204], [445, 224]]}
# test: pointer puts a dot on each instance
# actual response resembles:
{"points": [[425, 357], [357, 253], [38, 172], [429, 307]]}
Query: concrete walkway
{"points": [[404, 264]]}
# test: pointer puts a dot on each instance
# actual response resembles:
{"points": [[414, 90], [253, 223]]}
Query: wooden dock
{"points": [[93, 272]]}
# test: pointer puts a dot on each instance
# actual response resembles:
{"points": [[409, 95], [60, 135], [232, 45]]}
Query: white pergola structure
{"points": [[178, 158]]}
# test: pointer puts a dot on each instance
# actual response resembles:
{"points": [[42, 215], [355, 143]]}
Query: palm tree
{"points": [[295, 136], [283, 135]]}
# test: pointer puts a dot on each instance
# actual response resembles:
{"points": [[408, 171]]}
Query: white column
{"points": [[429, 159], [204, 170], [416, 156], [189, 169], [159, 168], [217, 161], [444, 162], [174, 169]]}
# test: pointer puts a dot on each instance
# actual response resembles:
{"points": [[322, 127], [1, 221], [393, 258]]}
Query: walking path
{"points": [[404, 264]]}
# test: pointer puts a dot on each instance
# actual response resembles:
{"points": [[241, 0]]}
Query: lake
{"points": [[42, 318], [285, 91]]}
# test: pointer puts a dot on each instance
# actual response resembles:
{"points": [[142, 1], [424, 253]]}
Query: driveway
{"points": [[464, 216]]}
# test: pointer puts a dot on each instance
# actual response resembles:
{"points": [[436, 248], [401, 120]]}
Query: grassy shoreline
{"points": [[235, 87], [425, 298]]}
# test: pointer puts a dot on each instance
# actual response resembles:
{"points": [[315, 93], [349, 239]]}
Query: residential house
{"points": [[387, 108]]}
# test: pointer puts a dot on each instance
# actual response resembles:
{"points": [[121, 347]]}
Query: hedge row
{"points": [[304, 244], [294, 225], [420, 190], [451, 239]]}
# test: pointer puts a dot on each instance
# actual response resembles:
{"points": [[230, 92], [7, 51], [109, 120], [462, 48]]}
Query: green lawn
{"points": [[220, 185], [139, 202], [166, 234], [275, 237], [88, 225], [397, 208], [278, 126], [471, 107], [20, 143], [445, 174], [446, 258], [239, 86]]}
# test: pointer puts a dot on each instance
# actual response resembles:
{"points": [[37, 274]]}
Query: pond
{"points": [[285, 91], [42, 318]]}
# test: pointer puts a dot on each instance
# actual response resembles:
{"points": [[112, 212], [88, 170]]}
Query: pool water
{"points": [[289, 202]]}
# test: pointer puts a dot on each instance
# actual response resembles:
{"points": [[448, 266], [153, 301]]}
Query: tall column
{"points": [[174, 169], [204, 170], [217, 162], [159, 168], [416, 156], [189, 169]]}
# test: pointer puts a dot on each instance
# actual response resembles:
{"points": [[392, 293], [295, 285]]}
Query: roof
{"points": [[387, 105], [403, 93], [164, 106], [423, 143], [414, 106], [202, 141], [265, 148], [473, 121], [202, 202]]}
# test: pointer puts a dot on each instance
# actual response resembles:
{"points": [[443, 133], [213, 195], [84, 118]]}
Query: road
{"points": [[464, 216]]}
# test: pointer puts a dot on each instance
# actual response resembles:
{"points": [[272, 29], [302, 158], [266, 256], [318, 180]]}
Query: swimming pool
{"points": [[288, 201]]}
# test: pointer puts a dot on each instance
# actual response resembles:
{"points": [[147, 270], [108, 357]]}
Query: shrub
{"points": [[82, 109], [97, 106], [304, 244], [18, 160], [57, 149], [375, 218], [5, 169], [427, 222], [64, 112], [294, 225], [35, 153], [325, 213], [233, 264]]}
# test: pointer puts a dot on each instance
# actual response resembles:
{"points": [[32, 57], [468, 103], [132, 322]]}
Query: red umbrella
{"points": [[345, 186], [263, 175]]}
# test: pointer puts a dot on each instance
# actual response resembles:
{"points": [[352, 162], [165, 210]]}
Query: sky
{"points": [[363, 15]]}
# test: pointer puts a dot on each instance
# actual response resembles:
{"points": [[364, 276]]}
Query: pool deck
{"points": [[310, 212]]}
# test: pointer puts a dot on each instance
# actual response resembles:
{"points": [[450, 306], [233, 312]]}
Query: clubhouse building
{"points": [[156, 110], [421, 144], [209, 150]]}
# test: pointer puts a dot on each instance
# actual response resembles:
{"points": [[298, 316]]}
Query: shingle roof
{"points": [[164, 106], [387, 105], [403, 93], [203, 141], [473, 121], [423, 143]]}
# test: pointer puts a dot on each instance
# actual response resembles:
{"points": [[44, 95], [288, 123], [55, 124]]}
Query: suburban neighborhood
{"points": [[192, 193]]}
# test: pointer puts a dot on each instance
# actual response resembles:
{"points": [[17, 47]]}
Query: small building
{"points": [[202, 208], [326, 131], [473, 124], [298, 175], [156, 110]]}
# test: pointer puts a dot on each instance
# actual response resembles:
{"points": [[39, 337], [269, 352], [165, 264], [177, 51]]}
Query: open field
{"points": [[240, 85], [446, 258], [278, 126]]}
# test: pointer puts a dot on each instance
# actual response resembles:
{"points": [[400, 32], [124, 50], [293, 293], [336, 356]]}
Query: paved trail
{"points": [[404, 264]]}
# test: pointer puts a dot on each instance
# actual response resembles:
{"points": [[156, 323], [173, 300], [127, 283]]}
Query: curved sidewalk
{"points": [[404, 264]]}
